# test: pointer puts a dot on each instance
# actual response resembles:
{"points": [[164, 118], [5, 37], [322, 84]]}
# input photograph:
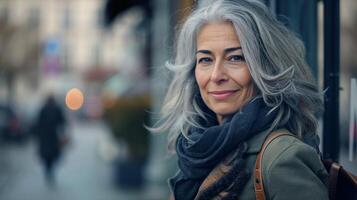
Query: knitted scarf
{"points": [[208, 146]]}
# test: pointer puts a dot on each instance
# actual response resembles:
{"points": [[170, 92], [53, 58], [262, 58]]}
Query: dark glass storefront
{"points": [[348, 85], [329, 30]]}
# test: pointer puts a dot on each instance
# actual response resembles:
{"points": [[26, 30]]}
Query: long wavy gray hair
{"points": [[276, 60]]}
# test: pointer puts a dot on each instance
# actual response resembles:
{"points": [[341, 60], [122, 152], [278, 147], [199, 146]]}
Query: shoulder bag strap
{"points": [[258, 178], [334, 171]]}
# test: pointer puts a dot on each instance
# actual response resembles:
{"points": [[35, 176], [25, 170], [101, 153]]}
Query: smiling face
{"points": [[221, 72]]}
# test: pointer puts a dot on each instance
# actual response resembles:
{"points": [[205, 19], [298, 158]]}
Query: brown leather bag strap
{"points": [[258, 178], [334, 171]]}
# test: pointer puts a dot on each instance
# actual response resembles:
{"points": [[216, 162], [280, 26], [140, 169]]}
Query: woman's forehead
{"points": [[217, 34]]}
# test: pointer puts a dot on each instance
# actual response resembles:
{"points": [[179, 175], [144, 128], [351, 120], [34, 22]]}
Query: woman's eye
{"points": [[204, 60], [237, 58]]}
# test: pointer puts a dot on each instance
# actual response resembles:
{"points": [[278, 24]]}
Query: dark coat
{"points": [[49, 126]]}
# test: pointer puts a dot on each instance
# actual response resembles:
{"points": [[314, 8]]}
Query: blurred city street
{"points": [[70, 67], [84, 171]]}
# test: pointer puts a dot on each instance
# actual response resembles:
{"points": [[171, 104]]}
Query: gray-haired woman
{"points": [[239, 75]]}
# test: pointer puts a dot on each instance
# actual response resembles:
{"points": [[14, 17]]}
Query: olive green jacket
{"points": [[292, 170]]}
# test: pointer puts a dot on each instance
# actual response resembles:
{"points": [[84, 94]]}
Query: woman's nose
{"points": [[219, 74]]}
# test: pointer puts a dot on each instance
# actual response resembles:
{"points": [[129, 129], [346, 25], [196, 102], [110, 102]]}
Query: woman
{"points": [[239, 75], [50, 123]]}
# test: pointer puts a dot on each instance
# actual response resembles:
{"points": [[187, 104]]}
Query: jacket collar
{"points": [[255, 143]]}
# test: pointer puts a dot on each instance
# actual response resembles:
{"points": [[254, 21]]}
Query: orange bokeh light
{"points": [[74, 99]]}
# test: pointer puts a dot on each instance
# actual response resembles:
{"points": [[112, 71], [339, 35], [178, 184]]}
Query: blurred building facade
{"points": [[51, 46], [348, 85]]}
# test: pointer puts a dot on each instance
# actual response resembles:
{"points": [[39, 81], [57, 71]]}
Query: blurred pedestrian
{"points": [[240, 76], [51, 136]]}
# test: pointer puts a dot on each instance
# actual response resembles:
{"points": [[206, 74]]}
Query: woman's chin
{"points": [[226, 111]]}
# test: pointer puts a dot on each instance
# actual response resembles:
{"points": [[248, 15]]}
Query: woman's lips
{"points": [[222, 95]]}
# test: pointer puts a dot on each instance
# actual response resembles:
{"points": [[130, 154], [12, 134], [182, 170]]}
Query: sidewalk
{"points": [[83, 174]]}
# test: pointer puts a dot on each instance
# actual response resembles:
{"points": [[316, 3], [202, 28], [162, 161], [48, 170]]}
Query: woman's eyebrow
{"points": [[226, 51], [204, 51]]}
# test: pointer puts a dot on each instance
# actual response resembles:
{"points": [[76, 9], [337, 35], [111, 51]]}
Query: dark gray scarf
{"points": [[209, 146]]}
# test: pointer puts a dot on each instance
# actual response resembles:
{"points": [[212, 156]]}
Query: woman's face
{"points": [[221, 72]]}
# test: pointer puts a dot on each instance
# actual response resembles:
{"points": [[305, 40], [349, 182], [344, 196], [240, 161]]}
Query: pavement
{"points": [[84, 173]]}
